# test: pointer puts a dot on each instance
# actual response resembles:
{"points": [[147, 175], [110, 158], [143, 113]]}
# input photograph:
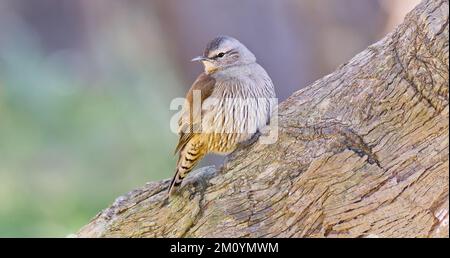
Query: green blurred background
{"points": [[85, 88]]}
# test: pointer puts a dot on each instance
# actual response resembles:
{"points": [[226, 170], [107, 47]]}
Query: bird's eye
{"points": [[221, 54]]}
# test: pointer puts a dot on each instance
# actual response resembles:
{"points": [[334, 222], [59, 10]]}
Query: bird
{"points": [[228, 103]]}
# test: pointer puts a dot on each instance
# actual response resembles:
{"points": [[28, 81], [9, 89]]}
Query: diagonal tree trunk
{"points": [[361, 152]]}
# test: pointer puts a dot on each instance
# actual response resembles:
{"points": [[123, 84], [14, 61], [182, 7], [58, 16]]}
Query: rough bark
{"points": [[361, 152]]}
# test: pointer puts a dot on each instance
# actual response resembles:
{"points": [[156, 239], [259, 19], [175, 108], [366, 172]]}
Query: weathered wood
{"points": [[361, 152]]}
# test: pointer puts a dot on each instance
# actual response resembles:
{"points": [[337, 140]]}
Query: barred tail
{"points": [[188, 159], [175, 183]]}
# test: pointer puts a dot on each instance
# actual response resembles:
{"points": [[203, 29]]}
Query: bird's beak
{"points": [[199, 58]]}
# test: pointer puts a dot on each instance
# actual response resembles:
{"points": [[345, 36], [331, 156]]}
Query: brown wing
{"points": [[205, 84]]}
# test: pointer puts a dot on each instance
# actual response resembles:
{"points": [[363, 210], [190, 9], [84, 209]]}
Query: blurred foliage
{"points": [[68, 145], [66, 152]]}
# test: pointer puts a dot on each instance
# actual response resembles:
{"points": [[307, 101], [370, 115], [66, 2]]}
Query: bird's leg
{"points": [[243, 145], [250, 141]]}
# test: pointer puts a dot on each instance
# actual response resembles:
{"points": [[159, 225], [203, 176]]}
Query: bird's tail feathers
{"points": [[187, 161], [175, 183]]}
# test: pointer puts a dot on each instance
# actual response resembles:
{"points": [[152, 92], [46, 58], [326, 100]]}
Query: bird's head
{"points": [[223, 52]]}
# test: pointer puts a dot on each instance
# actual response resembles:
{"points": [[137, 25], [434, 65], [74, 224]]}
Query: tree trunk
{"points": [[362, 152]]}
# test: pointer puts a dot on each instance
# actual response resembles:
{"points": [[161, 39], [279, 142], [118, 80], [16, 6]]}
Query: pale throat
{"points": [[209, 68]]}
